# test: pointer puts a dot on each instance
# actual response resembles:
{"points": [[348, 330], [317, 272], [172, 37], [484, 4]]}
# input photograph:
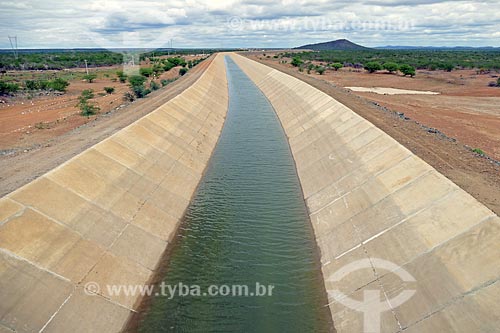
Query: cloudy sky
{"points": [[247, 23]]}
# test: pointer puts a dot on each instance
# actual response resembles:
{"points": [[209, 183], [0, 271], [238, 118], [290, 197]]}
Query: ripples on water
{"points": [[247, 223]]}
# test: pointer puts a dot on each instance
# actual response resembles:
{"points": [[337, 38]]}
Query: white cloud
{"points": [[263, 23]]}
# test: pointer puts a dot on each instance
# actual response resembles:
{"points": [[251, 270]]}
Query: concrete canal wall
{"points": [[106, 216], [375, 208]]}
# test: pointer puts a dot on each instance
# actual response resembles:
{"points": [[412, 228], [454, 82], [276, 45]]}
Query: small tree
{"points": [[86, 95], [168, 66], [296, 62], [391, 67], [137, 85], [407, 70], [373, 66], [90, 77], [336, 66], [147, 71], [136, 80], [109, 90], [320, 70], [58, 84], [87, 108], [182, 71]]}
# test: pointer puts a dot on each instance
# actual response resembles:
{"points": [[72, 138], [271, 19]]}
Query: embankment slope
{"points": [[106, 216], [370, 198]]}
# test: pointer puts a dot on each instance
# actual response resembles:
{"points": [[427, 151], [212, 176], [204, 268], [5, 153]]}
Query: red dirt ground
{"points": [[466, 108], [26, 123]]}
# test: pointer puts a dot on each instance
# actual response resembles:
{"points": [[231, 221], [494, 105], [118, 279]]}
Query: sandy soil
{"points": [[29, 152], [466, 111]]}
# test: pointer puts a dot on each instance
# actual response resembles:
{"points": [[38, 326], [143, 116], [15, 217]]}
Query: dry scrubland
{"points": [[466, 107], [31, 119]]}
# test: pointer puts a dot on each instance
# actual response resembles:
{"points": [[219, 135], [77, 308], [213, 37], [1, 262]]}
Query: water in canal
{"points": [[247, 224]]}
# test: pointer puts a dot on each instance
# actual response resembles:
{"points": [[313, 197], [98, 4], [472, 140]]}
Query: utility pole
{"points": [[170, 49], [13, 45], [86, 67]]}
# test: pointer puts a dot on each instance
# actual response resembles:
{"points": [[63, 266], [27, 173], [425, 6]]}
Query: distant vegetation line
{"points": [[64, 59], [420, 59]]}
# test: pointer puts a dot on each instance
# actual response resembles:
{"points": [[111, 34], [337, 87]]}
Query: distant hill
{"points": [[340, 44]]}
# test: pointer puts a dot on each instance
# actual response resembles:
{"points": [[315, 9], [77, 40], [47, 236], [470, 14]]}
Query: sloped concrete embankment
{"points": [[370, 198], [106, 216]]}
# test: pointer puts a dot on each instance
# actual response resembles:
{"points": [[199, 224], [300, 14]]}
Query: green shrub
{"points": [[296, 62], [320, 70], [109, 90], [86, 95], [168, 66], [373, 66], [58, 84], [7, 88], [448, 67], [177, 61], [146, 71], [136, 80], [478, 151], [391, 67], [182, 71], [336, 66], [31, 85], [137, 85], [407, 70], [140, 91], [157, 69], [43, 85], [498, 82], [87, 108], [90, 77]]}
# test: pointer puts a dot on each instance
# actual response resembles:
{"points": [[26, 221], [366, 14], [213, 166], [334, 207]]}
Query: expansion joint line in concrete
{"points": [[372, 177], [452, 301], [366, 241], [381, 199], [22, 259]]}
